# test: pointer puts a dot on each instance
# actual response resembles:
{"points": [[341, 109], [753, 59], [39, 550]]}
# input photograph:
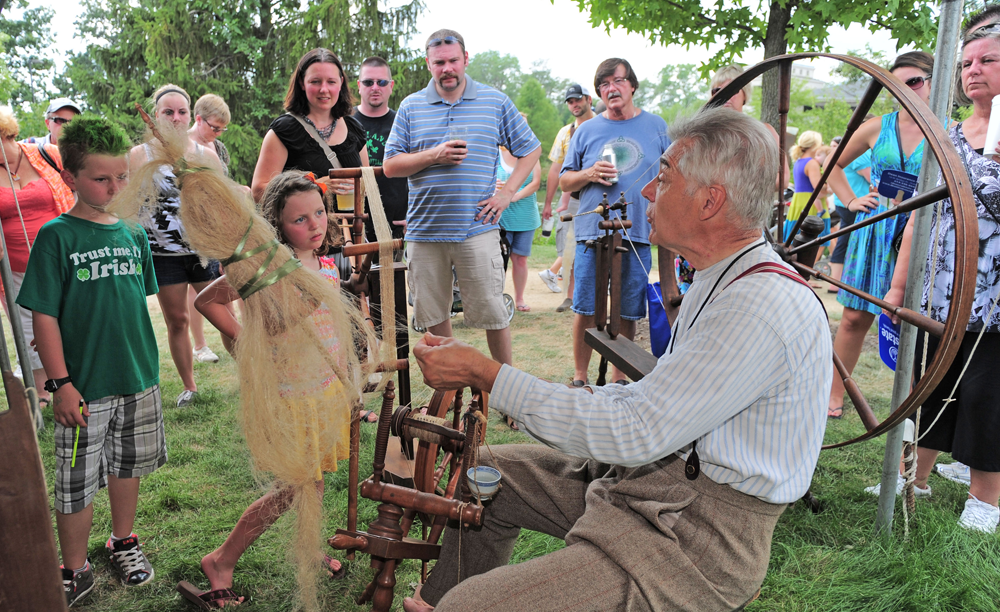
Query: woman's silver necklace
{"points": [[324, 132]]}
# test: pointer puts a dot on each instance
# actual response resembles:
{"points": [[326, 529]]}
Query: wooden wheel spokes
{"points": [[956, 187], [432, 462]]}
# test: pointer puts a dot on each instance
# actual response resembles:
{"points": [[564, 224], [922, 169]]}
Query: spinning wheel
{"points": [[442, 446], [956, 186]]}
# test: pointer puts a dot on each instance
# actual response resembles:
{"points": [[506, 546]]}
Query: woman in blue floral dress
{"points": [[896, 143]]}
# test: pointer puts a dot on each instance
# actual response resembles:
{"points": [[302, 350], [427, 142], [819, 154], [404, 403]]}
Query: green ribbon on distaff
{"points": [[184, 169], [259, 281]]}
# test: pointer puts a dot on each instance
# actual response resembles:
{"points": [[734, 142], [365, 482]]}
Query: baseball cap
{"points": [[575, 91], [63, 103]]}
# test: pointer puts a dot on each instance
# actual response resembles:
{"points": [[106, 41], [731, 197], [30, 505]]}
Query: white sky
{"points": [[554, 32]]}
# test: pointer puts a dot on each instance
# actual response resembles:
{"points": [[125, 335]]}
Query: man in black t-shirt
{"points": [[375, 85]]}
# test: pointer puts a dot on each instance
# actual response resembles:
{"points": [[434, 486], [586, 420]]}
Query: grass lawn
{"points": [[829, 561]]}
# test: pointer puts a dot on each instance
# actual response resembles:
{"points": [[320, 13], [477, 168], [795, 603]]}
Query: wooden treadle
{"points": [[624, 354]]}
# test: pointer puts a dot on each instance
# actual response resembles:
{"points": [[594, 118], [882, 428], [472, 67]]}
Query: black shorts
{"points": [[178, 269], [840, 251], [970, 426]]}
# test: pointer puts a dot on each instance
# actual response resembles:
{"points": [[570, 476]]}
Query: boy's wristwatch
{"points": [[52, 385]]}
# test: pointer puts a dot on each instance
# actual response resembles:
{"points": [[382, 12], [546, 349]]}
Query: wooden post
{"points": [[29, 564]]}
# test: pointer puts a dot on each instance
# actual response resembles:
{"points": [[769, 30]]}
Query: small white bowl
{"points": [[483, 481]]}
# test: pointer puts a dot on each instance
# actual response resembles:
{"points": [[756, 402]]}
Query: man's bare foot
{"points": [[416, 604], [219, 576]]}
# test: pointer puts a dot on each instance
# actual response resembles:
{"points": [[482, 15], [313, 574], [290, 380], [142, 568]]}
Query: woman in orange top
{"points": [[41, 195]]}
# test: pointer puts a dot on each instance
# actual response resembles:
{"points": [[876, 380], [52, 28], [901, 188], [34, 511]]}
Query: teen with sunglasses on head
{"points": [[896, 143]]}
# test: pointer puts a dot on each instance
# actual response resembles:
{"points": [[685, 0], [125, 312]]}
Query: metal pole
{"points": [[946, 55]]}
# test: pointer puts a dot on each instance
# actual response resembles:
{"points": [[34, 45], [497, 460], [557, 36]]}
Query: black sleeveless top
{"points": [[305, 154]]}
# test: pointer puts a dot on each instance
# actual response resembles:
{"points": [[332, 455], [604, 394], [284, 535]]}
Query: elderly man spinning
{"points": [[666, 491]]}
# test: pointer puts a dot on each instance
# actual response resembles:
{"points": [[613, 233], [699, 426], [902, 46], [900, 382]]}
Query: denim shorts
{"points": [[634, 281], [520, 242], [178, 269]]}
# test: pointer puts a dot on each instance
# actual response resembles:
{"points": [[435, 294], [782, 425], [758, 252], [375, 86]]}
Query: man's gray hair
{"points": [[727, 148]]}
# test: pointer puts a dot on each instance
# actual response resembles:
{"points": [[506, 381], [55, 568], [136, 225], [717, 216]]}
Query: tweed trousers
{"points": [[637, 539]]}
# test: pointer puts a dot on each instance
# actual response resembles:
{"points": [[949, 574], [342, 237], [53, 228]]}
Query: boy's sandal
{"points": [[366, 415], [511, 423], [44, 402], [835, 413], [208, 600]]}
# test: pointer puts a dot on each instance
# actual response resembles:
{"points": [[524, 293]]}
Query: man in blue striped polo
{"points": [[445, 141], [666, 491]]}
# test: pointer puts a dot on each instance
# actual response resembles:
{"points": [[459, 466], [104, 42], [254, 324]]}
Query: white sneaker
{"points": [[979, 516], [900, 483], [186, 398], [17, 372], [550, 281], [956, 472], [205, 355], [560, 275]]}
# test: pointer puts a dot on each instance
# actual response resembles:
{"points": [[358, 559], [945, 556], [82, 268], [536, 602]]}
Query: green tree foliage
{"points": [[850, 74], [501, 72], [678, 90], [242, 50], [543, 118], [28, 66], [778, 27]]}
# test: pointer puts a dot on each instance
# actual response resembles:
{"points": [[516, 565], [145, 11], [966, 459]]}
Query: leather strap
{"points": [[311, 130]]}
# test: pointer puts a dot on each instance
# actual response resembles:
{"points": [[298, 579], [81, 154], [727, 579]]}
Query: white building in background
{"points": [[802, 76]]}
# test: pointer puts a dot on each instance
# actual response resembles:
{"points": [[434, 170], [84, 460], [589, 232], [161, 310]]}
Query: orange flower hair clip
{"points": [[312, 179]]}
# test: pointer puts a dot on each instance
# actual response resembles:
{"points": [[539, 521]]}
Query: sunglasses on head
{"points": [[370, 82], [447, 40], [916, 82], [59, 120]]}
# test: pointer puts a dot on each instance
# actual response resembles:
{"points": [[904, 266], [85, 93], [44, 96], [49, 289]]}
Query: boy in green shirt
{"points": [[86, 284]]}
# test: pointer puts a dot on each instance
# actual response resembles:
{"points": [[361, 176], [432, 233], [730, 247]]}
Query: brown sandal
{"points": [[208, 600]]}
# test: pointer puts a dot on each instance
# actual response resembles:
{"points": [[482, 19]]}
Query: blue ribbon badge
{"points": [[888, 341]]}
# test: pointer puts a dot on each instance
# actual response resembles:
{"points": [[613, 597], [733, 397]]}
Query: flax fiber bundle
{"points": [[296, 337]]}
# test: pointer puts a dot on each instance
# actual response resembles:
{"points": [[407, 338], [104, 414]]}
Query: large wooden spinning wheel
{"points": [[956, 187]]}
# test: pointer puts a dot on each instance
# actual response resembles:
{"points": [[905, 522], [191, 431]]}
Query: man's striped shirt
{"points": [[444, 199], [749, 380]]}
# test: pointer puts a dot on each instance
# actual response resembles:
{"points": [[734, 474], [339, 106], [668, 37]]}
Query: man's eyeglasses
{"points": [[59, 120], [447, 40], [217, 130], [607, 84], [381, 82], [916, 82]]}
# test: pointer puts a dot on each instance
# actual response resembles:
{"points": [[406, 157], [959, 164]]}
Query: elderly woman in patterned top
{"points": [[969, 427]]}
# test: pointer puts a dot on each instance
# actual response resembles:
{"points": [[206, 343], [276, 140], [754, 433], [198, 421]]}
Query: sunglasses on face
{"points": [[381, 82], [447, 40], [217, 130], [59, 120], [916, 82]]}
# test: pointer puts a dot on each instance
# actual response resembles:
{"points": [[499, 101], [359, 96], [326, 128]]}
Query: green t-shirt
{"points": [[95, 278]]}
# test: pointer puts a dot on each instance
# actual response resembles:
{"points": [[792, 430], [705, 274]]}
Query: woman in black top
{"points": [[319, 95]]}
